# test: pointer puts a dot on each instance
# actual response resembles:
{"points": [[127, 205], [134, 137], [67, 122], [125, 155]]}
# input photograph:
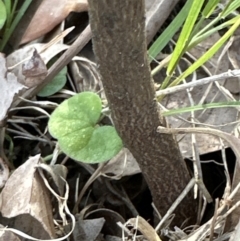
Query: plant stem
{"points": [[121, 51]]}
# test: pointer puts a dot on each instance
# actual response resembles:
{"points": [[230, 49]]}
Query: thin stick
{"points": [[176, 203], [229, 74]]}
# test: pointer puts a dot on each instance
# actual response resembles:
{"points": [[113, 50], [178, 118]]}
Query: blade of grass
{"points": [[206, 12], [20, 29], [209, 8], [231, 6], [8, 6], [169, 32], [184, 36], [12, 13], [19, 15], [208, 54], [199, 38], [198, 35], [201, 107]]}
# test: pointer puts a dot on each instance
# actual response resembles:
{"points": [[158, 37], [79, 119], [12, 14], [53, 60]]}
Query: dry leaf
{"points": [[4, 173], [34, 71], [123, 164], [111, 218], [88, 230], [85, 76], [236, 233], [15, 59], [26, 203], [7, 235], [112, 238], [9, 87], [156, 14], [50, 14]]}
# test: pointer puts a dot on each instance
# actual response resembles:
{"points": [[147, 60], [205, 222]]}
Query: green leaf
{"points": [[3, 14], [73, 123], [55, 85]]}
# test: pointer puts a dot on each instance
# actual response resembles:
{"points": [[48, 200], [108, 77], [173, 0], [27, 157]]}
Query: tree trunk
{"points": [[120, 48]]}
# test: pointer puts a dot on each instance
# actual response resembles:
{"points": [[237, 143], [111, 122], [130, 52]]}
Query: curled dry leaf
{"points": [[9, 87], [50, 14], [86, 76], [15, 59], [34, 71], [4, 173], [25, 201]]}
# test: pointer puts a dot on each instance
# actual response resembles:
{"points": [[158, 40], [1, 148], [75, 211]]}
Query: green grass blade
{"points": [[15, 22], [185, 34], [199, 38], [169, 32], [201, 107], [209, 8], [208, 54], [8, 6], [231, 6], [11, 16]]}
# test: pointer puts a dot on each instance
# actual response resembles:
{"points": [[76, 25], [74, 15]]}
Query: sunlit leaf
{"points": [[73, 123]]}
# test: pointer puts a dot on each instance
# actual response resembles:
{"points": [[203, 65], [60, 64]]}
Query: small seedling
{"points": [[55, 85], [74, 124]]}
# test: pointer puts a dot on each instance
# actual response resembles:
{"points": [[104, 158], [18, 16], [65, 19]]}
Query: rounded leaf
{"points": [[73, 123], [75, 114]]}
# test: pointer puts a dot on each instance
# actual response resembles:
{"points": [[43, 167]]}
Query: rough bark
{"points": [[120, 48]]}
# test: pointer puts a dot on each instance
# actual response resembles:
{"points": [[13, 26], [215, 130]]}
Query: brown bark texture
{"points": [[120, 48]]}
